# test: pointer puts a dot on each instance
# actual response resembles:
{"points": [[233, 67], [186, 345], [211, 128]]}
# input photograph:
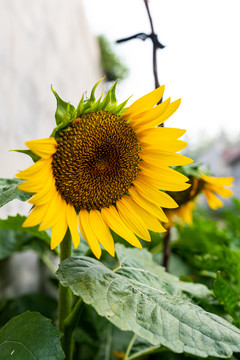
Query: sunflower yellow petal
{"points": [[36, 183], [157, 183], [36, 216], [165, 180], [147, 205], [131, 218], [90, 237], [157, 197], [151, 222], [165, 158], [164, 145], [34, 169], [146, 102], [162, 185], [146, 119], [43, 147], [159, 134], [59, 230], [188, 210], [45, 195], [56, 206], [165, 173], [213, 201], [81, 229], [224, 181], [72, 224], [221, 191], [168, 111], [113, 220], [102, 231]]}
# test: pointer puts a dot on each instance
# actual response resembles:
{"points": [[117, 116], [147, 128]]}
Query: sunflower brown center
{"points": [[96, 160]]}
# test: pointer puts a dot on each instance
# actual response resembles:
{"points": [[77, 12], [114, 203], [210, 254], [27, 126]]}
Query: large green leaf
{"points": [[9, 191], [13, 237], [139, 266], [30, 336], [137, 299], [15, 223]]}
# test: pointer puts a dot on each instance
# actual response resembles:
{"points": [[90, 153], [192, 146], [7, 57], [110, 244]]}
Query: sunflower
{"points": [[106, 167], [210, 186], [183, 214]]}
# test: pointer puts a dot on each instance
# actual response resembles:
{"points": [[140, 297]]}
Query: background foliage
{"points": [[129, 307], [112, 66]]}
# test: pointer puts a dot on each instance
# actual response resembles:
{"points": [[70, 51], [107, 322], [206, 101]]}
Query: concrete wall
{"points": [[41, 43]]}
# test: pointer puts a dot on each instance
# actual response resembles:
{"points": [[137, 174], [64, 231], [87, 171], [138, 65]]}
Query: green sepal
{"points": [[80, 108], [29, 153], [66, 113], [195, 170], [110, 98], [92, 96], [121, 108]]}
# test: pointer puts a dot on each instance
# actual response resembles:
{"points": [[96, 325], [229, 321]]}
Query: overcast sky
{"points": [[200, 63]]}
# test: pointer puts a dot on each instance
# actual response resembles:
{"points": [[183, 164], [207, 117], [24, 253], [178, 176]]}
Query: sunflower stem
{"points": [[65, 300], [130, 345], [72, 319], [166, 249]]}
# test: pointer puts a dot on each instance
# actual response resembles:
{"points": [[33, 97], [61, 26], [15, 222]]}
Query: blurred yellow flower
{"points": [[183, 214], [216, 185], [209, 186]]}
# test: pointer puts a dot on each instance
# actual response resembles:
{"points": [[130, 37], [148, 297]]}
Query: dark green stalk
{"points": [[166, 249], [72, 319], [65, 299]]}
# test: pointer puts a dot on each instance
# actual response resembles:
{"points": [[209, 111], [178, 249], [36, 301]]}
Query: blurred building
{"points": [[41, 43], [232, 158], [222, 158]]}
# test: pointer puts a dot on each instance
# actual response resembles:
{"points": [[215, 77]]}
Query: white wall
{"points": [[41, 43]]}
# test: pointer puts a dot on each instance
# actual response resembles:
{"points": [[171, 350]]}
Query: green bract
{"points": [[195, 170], [66, 113]]}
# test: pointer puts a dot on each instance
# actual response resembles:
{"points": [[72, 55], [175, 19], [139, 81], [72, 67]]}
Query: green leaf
{"points": [[226, 295], [139, 265], [130, 299], [13, 237], [11, 242], [64, 110], [30, 336], [15, 223], [112, 66], [82, 249], [206, 246], [193, 169], [11, 307], [99, 339], [9, 191], [90, 334], [29, 153]]}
